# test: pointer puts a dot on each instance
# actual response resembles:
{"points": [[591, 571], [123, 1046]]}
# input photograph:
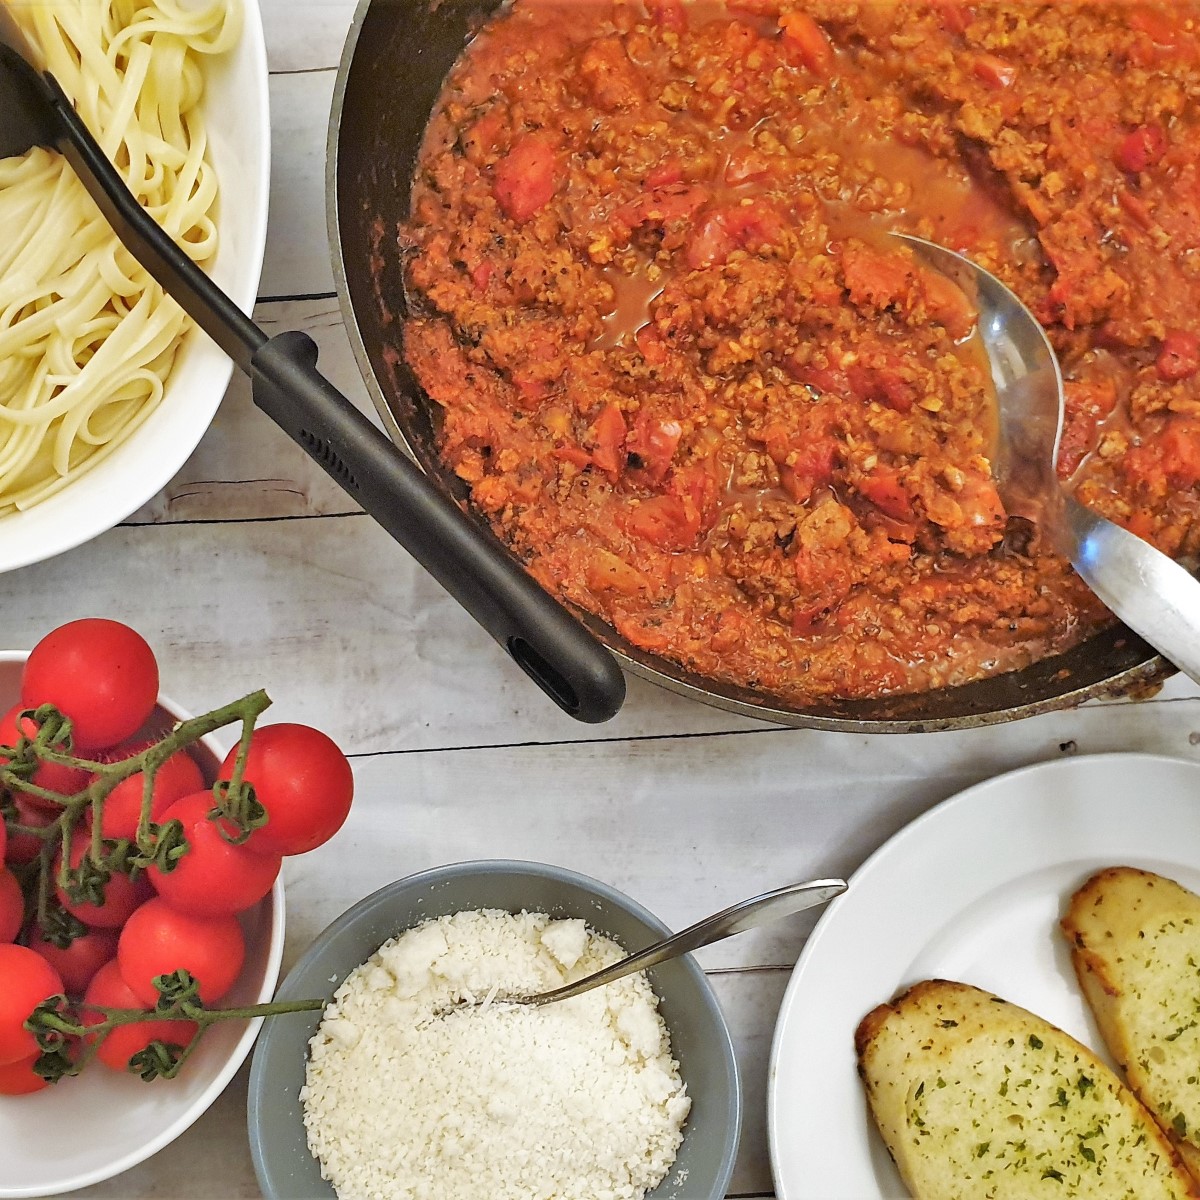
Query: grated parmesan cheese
{"points": [[579, 1100]]}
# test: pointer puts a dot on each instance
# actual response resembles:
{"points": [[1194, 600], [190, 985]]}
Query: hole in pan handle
{"points": [[554, 649]]}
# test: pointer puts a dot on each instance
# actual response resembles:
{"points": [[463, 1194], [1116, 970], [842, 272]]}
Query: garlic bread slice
{"points": [[978, 1099], [1135, 943]]}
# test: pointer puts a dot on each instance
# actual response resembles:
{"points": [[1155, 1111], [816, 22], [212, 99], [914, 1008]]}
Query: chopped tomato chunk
{"points": [[1141, 149], [884, 490], [669, 171], [664, 521], [881, 385], [652, 442], [608, 435], [807, 44], [1180, 450], [669, 14], [994, 71], [527, 176], [1179, 357], [813, 468], [955, 17]]}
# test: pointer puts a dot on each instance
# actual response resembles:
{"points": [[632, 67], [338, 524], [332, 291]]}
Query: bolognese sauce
{"points": [[695, 383]]}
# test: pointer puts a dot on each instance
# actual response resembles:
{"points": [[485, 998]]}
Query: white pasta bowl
{"points": [[92, 1127], [237, 125], [700, 1039]]}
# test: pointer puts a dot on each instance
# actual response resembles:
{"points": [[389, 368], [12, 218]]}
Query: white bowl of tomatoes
{"points": [[92, 1126]]}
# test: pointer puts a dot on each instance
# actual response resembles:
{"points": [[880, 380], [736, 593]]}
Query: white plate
{"points": [[972, 891]]}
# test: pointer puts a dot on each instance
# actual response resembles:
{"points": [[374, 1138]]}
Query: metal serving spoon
{"points": [[1155, 596], [748, 914], [554, 649]]}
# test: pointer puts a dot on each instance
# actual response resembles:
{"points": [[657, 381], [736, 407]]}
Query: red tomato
{"points": [[109, 990], [527, 176], [1179, 357], [608, 434], [158, 940], [994, 71], [79, 961], [806, 43], [3, 840], [121, 893], [28, 980], [18, 1078], [1141, 148], [100, 673], [884, 489], [214, 878], [177, 777], [23, 847], [303, 781], [669, 14], [12, 906], [51, 776]]}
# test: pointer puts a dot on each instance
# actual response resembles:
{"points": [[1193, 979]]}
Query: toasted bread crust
{"points": [[1135, 946], [978, 1098]]}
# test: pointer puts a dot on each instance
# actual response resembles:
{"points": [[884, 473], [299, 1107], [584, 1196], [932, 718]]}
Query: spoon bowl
{"points": [[1154, 596]]}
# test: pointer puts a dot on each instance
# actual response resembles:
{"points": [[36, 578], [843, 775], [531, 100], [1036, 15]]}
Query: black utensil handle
{"points": [[148, 242], [551, 647], [548, 643]]}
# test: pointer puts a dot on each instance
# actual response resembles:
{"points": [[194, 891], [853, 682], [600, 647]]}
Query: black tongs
{"points": [[549, 644]]}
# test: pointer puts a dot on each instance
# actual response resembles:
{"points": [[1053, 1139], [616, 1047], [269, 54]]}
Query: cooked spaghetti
{"points": [[87, 338]]}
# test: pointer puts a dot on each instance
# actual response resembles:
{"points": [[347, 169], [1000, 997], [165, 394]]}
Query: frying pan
{"points": [[396, 56]]}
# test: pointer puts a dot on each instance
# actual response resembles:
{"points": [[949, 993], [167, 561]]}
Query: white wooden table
{"points": [[252, 569]]}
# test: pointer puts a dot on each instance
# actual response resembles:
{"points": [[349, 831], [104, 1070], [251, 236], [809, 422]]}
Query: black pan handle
{"points": [[554, 649], [548, 643]]}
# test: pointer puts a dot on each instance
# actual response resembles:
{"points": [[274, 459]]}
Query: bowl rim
{"points": [[432, 876], [237, 1053]]}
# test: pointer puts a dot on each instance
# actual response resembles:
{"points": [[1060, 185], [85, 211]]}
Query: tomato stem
{"points": [[50, 744]]}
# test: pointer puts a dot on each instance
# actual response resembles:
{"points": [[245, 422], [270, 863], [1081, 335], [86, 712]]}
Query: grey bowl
{"points": [[699, 1036]]}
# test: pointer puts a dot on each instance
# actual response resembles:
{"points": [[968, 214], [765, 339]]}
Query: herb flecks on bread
{"points": [[1135, 943], [977, 1098]]}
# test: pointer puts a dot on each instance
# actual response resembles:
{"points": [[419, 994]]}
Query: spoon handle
{"points": [[1156, 597], [760, 910]]}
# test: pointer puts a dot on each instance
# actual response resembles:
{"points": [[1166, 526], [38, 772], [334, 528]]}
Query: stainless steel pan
{"points": [[395, 58]]}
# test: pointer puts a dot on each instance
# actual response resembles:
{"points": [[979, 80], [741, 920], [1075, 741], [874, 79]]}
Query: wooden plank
{"points": [[306, 35], [297, 256], [349, 634]]}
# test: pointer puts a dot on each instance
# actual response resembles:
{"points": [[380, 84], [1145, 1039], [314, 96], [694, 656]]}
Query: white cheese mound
{"points": [[578, 1100]]}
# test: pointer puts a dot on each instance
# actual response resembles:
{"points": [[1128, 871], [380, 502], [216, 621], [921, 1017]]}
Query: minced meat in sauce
{"points": [[702, 392]]}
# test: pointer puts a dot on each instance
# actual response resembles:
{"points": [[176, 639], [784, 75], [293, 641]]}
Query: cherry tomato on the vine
{"points": [[100, 673], [213, 877], [23, 847], [302, 780], [179, 776], [109, 990], [28, 980], [158, 940], [19, 1078], [12, 906], [79, 961], [54, 777], [121, 893]]}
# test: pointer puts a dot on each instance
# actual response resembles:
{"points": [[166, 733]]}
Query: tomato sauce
{"points": [[696, 384]]}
